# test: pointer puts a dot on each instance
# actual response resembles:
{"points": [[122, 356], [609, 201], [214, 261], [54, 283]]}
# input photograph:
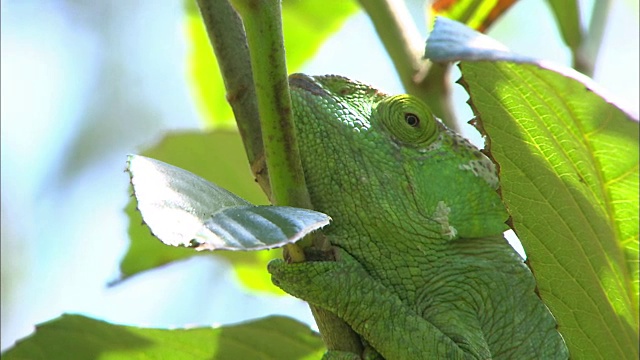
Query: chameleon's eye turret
{"points": [[408, 120]]}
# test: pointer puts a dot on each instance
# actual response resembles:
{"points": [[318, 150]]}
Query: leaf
{"points": [[568, 162], [477, 14], [145, 252], [183, 209], [223, 153], [306, 24], [452, 41], [78, 337], [569, 175]]}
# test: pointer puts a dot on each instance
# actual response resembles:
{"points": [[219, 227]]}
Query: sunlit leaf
{"points": [[568, 163], [73, 337], [183, 209], [225, 164], [452, 41], [569, 174], [308, 23], [145, 252]]}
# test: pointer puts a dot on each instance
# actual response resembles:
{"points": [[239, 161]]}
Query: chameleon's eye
{"points": [[412, 119], [408, 120]]}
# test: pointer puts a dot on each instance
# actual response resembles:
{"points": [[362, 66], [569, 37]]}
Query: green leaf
{"points": [[477, 14], [77, 337], [145, 252], [569, 173], [223, 153], [568, 162], [183, 209], [306, 24]]}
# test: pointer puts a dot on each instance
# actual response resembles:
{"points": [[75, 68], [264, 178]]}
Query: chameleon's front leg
{"points": [[373, 311]]}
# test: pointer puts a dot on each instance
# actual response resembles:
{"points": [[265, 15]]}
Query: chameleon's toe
{"points": [[278, 270], [275, 266], [291, 278]]}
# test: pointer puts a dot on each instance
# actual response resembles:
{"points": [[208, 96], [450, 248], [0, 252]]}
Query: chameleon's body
{"points": [[424, 270]]}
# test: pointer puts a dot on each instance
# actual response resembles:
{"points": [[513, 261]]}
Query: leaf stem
{"points": [[262, 106], [263, 24], [590, 48], [399, 35], [229, 42], [262, 21]]}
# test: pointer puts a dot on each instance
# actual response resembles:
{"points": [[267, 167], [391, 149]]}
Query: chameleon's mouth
{"points": [[306, 83]]}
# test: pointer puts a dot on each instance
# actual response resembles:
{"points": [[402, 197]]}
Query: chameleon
{"points": [[423, 270]]}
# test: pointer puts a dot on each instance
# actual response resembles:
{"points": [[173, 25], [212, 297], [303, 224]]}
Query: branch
{"points": [[587, 55], [262, 19], [229, 42], [403, 43]]}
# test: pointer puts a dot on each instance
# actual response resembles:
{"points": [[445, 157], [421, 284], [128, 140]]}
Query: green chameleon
{"points": [[423, 269]]}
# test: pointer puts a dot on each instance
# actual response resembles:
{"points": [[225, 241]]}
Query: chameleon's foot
{"points": [[301, 278], [318, 282]]}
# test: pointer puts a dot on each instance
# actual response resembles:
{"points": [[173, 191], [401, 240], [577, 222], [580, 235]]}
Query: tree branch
{"points": [[229, 42], [269, 123], [403, 43]]}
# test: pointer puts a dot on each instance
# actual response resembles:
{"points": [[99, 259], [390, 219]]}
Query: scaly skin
{"points": [[424, 271]]}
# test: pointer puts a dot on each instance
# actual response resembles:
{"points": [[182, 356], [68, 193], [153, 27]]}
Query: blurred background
{"points": [[86, 82]]}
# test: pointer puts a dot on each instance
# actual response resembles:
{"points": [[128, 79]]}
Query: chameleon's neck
{"points": [[407, 250], [382, 238]]}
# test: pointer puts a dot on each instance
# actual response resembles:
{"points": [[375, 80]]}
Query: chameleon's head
{"points": [[371, 158]]}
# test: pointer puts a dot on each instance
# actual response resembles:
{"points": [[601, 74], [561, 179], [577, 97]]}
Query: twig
{"points": [[402, 41], [229, 42]]}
